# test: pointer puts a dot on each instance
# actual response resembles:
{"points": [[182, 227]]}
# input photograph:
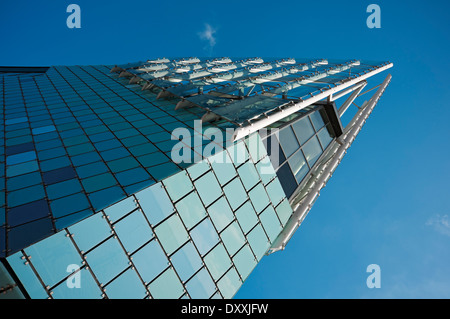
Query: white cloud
{"points": [[440, 224], [208, 35]]}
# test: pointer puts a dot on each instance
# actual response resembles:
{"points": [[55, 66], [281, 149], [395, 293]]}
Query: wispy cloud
{"points": [[440, 224], [208, 35]]}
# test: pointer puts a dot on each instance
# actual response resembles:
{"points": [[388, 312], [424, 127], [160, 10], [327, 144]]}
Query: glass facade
{"points": [[90, 191], [299, 142]]}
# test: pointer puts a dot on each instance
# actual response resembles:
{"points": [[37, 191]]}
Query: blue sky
{"points": [[387, 203]]}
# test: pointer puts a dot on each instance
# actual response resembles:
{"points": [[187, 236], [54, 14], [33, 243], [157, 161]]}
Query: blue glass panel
{"points": [[43, 129], [133, 231], [208, 188], [70, 204], [244, 261], [178, 185], [312, 150], [258, 241], [23, 181], [22, 168], [256, 147], [217, 261], [288, 141], [54, 163], [88, 288], [246, 217], [161, 171], [65, 188], [265, 170], [126, 286], [107, 260], [120, 209], [27, 234], [52, 256], [275, 192], [150, 261], [229, 284], [27, 276], [155, 202], [259, 198], [198, 169], [58, 175], [235, 193], [132, 176], [284, 211], [28, 212], [186, 261], [287, 179], [303, 129], [20, 148], [223, 167], [71, 219], [25, 195], [248, 174], [233, 238], [238, 153], [105, 197], [91, 169], [98, 182], [270, 223], [90, 232], [201, 286], [86, 158], [191, 210], [298, 166], [317, 120], [171, 234], [325, 137], [220, 213], [204, 236], [20, 158], [166, 286]]}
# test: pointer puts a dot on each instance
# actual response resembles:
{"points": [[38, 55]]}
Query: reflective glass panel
{"points": [[204, 236], [208, 188], [88, 288], [246, 217], [244, 261], [186, 261], [229, 284], [217, 261], [171, 234], [235, 193], [133, 231], [298, 166], [107, 260], [178, 185], [259, 198], [270, 223], [233, 238], [288, 141], [90, 231], [201, 285], [191, 210], [166, 286], [220, 213], [51, 256], [126, 286], [303, 129], [155, 203], [324, 136], [312, 150], [258, 241], [150, 261]]}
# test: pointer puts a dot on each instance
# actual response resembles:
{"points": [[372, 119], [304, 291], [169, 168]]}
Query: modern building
{"points": [[167, 178]]}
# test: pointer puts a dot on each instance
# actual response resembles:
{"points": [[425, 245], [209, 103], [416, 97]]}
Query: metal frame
{"points": [[288, 110], [303, 202]]}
